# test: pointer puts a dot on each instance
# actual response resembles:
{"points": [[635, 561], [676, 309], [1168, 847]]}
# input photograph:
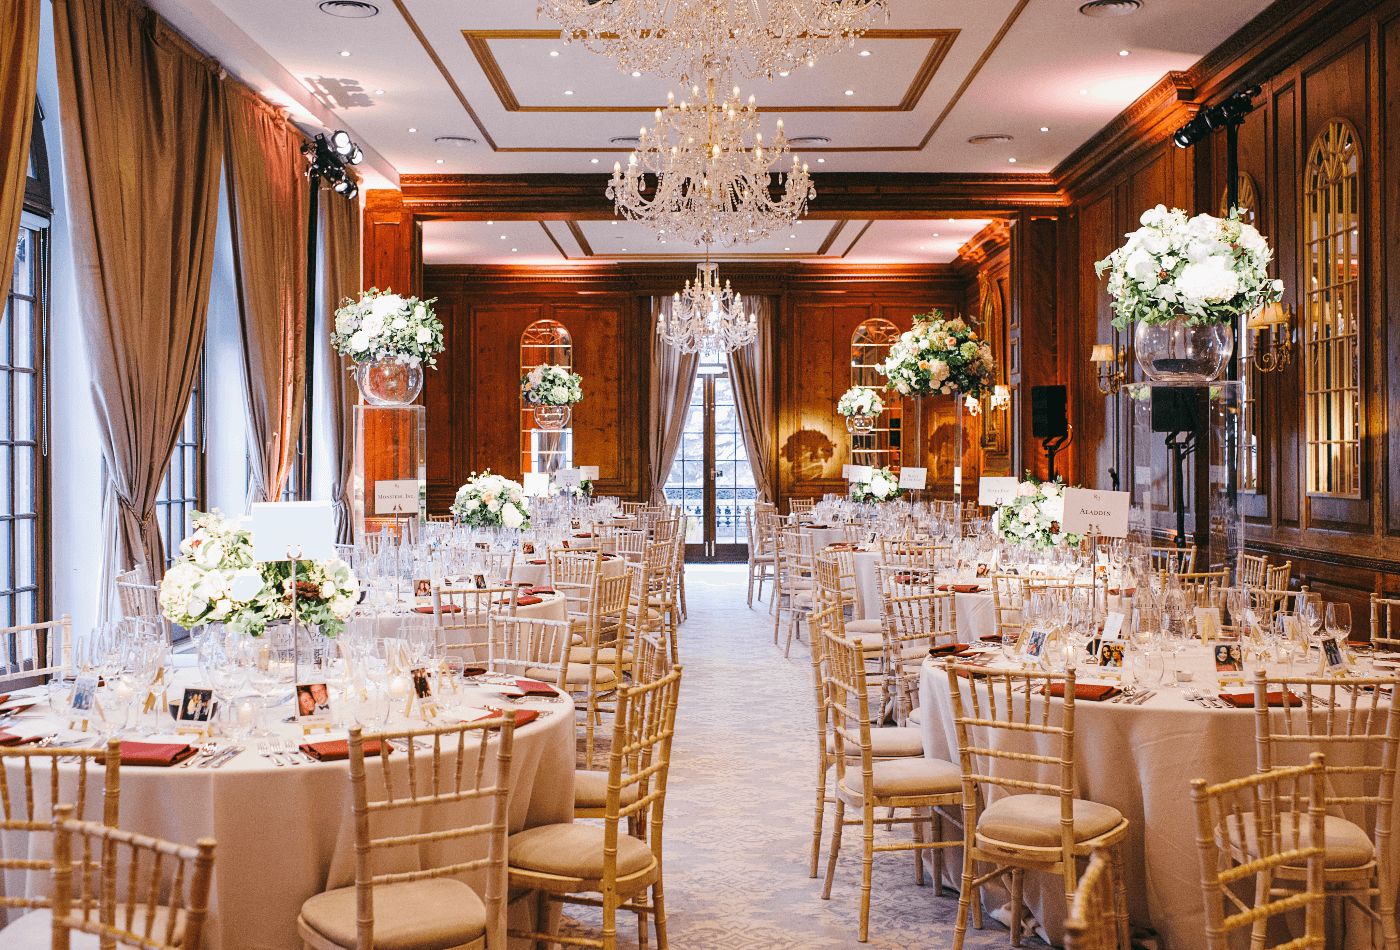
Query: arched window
{"points": [[1332, 311], [544, 343], [870, 345], [1247, 200]]}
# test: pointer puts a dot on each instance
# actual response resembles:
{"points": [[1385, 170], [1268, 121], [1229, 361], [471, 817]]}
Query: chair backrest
{"points": [[1202, 588], [139, 599], [911, 553], [465, 763], [1357, 728], [795, 556], [1091, 924], [463, 617], [639, 764], [1173, 559], [1279, 576], [827, 622], [925, 619], [35, 650], [167, 886], [30, 782], [1250, 570], [846, 711], [1383, 622], [633, 507], [665, 529], [521, 644], [1245, 830], [800, 505], [836, 577], [498, 565], [572, 571], [1008, 602], [440, 519], [629, 543]]}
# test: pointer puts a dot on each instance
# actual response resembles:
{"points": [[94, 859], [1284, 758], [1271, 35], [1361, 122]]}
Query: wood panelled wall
{"points": [[1316, 62]]}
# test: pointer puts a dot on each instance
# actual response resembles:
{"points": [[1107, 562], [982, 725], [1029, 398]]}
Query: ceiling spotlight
{"points": [[1083, 92], [636, 74], [379, 92], [489, 223], [503, 237], [554, 52], [439, 161], [1045, 128], [1012, 160], [327, 158], [568, 92], [411, 129], [850, 92], [340, 141], [1122, 52], [935, 234], [593, 161], [345, 52], [820, 161], [1231, 112], [787, 248], [865, 52], [349, 9], [785, 73], [514, 250], [1110, 8]]}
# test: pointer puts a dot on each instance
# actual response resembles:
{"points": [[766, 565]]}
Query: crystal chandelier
{"points": [[693, 38], [695, 177], [706, 318]]}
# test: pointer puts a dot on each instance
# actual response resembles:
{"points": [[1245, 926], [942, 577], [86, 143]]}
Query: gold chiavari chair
{"points": [[560, 862], [914, 624], [918, 784], [655, 599], [1248, 831], [1358, 730], [167, 886], [1383, 617], [794, 584], [596, 668], [651, 640], [1268, 603], [31, 652], [1091, 924], [571, 573], [1008, 602], [664, 529], [531, 647], [1278, 576], [677, 605], [801, 506], [420, 817], [629, 543], [1251, 569], [463, 616], [1020, 808], [1173, 559], [498, 565], [30, 782], [910, 553], [440, 519], [633, 508], [760, 556], [1202, 588]]}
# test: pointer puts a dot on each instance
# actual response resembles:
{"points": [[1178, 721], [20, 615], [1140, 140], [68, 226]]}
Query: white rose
{"points": [[372, 324], [1049, 489], [1143, 268], [423, 335], [359, 341], [221, 609], [511, 517], [1027, 513], [1053, 508], [1209, 281], [400, 323], [386, 305], [210, 554]]}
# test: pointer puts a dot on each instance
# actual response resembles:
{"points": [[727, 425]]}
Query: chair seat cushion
{"points": [[591, 790], [907, 777], [1034, 820], [606, 656], [887, 743], [574, 849], [871, 626], [576, 677], [1348, 846], [409, 915]]}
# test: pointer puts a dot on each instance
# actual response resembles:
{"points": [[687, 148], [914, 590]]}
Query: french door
{"points": [[711, 476]]}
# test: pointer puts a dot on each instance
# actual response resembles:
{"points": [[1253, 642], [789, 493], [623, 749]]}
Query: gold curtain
{"points": [[749, 372], [672, 381], [19, 66], [340, 278], [142, 117], [267, 212]]}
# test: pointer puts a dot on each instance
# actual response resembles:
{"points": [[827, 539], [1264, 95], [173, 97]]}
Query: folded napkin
{"points": [[1094, 692], [537, 560], [582, 534], [607, 556], [525, 600], [155, 753], [534, 687], [9, 738], [336, 750], [539, 590], [948, 649], [446, 608], [1129, 592], [990, 638], [1246, 700], [522, 716], [963, 588]]}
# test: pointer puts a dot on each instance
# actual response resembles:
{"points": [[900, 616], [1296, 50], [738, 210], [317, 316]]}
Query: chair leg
{"points": [[1018, 907], [1120, 899], [751, 566], [867, 866], [966, 898], [541, 918], [818, 818], [937, 828], [658, 914], [610, 920], [918, 828], [835, 848]]}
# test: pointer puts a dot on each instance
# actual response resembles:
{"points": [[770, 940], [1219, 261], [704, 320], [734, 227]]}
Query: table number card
{"points": [[568, 478], [1091, 511], [996, 490], [536, 484], [589, 472], [915, 479], [398, 496], [861, 473]]}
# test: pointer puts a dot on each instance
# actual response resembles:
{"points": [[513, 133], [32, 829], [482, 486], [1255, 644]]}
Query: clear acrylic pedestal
{"points": [[390, 445]]}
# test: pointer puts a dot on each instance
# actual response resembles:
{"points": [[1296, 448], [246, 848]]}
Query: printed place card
{"points": [[861, 473], [996, 490], [396, 496], [536, 484], [305, 530], [568, 478], [915, 479], [846, 472], [589, 472], [1091, 511]]}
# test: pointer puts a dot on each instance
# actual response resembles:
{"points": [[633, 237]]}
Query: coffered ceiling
{"points": [[907, 97]]}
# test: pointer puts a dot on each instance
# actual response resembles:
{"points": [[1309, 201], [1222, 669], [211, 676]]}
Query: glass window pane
{"points": [[22, 281]]}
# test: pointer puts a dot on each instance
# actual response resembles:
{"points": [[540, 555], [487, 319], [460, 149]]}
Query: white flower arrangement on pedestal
{"points": [[1033, 516], [382, 325], [883, 486], [860, 401], [1203, 268], [491, 501], [551, 386], [940, 356]]}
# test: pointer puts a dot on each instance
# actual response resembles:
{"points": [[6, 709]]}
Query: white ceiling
{"points": [[1010, 66], [562, 242]]}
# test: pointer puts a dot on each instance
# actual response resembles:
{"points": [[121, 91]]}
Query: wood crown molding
{"points": [[986, 243]]}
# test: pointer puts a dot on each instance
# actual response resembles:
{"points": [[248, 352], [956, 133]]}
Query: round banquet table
{"points": [[823, 535], [535, 571], [551, 607], [284, 833], [976, 612], [1140, 760]]}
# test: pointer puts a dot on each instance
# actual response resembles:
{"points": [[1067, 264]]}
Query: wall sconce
{"points": [[1001, 396], [1271, 337], [1108, 362]]}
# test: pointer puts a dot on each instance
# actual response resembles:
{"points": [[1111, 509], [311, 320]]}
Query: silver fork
{"points": [[292, 753], [265, 750]]}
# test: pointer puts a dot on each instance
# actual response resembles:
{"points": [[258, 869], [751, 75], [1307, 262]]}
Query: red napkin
{"points": [[582, 534], [1129, 592], [948, 649], [539, 590], [1094, 692], [446, 608], [522, 716], [526, 600], [990, 638], [9, 738], [538, 560], [962, 588], [608, 557], [336, 750], [1246, 700], [534, 687], [155, 753]]}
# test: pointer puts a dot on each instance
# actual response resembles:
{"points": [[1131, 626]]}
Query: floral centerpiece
{"points": [[491, 501], [216, 580], [883, 486], [860, 401], [1033, 516], [390, 337], [1183, 281], [551, 386], [940, 355]]}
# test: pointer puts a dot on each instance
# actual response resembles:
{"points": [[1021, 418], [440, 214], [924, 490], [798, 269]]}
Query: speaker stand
{"points": [[1181, 449], [1052, 446]]}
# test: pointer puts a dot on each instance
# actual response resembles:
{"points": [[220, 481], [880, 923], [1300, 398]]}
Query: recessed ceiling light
{"points": [[568, 92], [865, 52], [850, 92], [612, 223], [489, 223], [349, 9], [514, 250], [787, 248], [952, 220], [503, 237], [785, 73], [1108, 8], [792, 235], [554, 52], [1045, 128], [1083, 92], [821, 161], [663, 240], [412, 129], [1012, 160], [636, 74], [935, 234], [624, 248], [593, 161], [439, 161], [1122, 52], [379, 92], [345, 52]]}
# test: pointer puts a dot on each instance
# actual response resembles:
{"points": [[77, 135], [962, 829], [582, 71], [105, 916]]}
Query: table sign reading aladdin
{"points": [[1090, 511]]}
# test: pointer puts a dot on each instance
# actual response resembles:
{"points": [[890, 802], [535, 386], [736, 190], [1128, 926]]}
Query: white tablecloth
{"points": [[526, 571], [550, 607], [285, 833], [976, 612], [824, 535]]}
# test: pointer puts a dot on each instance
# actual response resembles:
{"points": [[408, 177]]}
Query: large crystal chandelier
{"points": [[707, 318], [695, 177], [694, 38]]}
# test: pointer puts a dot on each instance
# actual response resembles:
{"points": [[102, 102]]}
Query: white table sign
{"points": [[996, 490], [915, 479], [846, 472], [536, 484], [398, 496], [568, 478], [305, 529], [957, 479], [589, 472], [861, 473], [1089, 510]]}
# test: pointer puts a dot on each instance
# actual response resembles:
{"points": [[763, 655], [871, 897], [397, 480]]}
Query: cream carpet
{"points": [[740, 802]]}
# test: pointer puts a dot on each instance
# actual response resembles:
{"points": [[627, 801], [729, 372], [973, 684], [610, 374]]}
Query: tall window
{"points": [[24, 332], [870, 346], [1331, 357], [1247, 200], [182, 491], [544, 343]]}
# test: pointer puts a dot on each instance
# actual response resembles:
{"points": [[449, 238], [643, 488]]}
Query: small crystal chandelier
{"points": [[706, 318], [706, 185], [692, 38]]}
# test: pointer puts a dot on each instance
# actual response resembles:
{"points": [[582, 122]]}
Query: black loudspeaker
{"points": [[1179, 409], [1049, 412]]}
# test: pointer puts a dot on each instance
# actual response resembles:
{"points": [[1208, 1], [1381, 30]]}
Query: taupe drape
{"points": [[19, 67], [750, 369], [267, 215], [672, 381], [340, 278], [142, 117]]}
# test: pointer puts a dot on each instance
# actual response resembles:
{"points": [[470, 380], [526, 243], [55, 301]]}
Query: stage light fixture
{"points": [[1231, 112]]}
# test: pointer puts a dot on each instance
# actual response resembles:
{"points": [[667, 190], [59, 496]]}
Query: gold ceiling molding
{"points": [[988, 242], [479, 42]]}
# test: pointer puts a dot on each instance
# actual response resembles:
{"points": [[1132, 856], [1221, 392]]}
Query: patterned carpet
{"points": [[739, 806]]}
